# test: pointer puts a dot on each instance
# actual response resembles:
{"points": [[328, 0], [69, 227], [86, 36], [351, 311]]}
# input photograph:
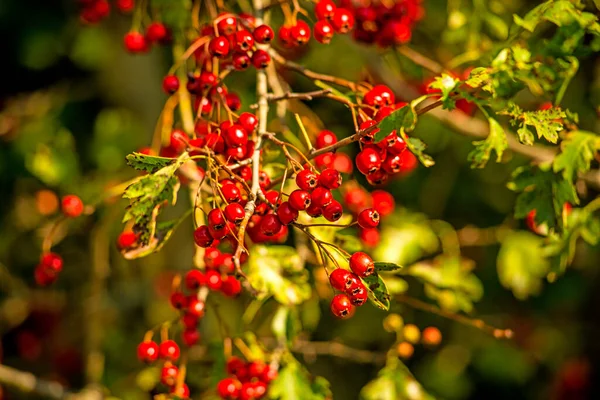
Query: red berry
{"points": [[169, 350], [265, 182], [168, 374], [216, 219], [270, 225], [125, 6], [333, 211], [286, 213], [247, 391], [314, 211], [248, 121], [135, 42], [392, 164], [170, 84], [299, 199], [213, 280], [156, 32], [325, 9], [370, 236], [126, 239], [269, 374], [361, 264], [227, 25], [341, 307], [207, 80], [147, 351], [229, 388], [378, 177], [300, 33], [243, 40], [321, 197], [342, 163], [260, 389], [178, 300], [323, 32], [368, 218], [190, 321], [195, 307], [233, 101], [194, 279], [340, 279], [356, 286], [52, 262], [179, 140], [234, 213], [330, 178], [261, 59], [72, 206], [231, 193], [368, 161], [202, 236], [219, 47], [307, 180], [240, 61], [397, 147], [235, 366], [263, 34], [44, 276], [343, 20], [256, 369], [231, 286], [360, 296]]}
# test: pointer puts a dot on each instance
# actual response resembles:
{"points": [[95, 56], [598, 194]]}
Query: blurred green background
{"points": [[73, 104]]}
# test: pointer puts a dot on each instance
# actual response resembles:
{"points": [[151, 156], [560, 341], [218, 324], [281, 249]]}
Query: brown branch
{"points": [[311, 349], [421, 60], [298, 96]]}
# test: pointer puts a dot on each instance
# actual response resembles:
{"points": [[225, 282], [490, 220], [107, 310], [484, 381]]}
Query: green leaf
{"points": [[480, 78], [148, 195], [143, 162], [496, 25], [278, 271], [577, 152], [450, 281], [378, 293], [544, 191], [293, 383], [417, 147], [495, 141], [394, 382], [446, 84], [521, 264], [547, 123], [285, 324], [560, 13], [386, 266], [404, 118]]}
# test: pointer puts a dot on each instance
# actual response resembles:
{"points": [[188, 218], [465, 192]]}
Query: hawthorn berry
{"points": [[147, 351], [229, 388], [307, 180], [189, 321], [392, 164], [333, 211], [126, 240], [261, 59], [231, 193], [72, 206], [341, 306], [323, 32], [378, 177], [227, 25], [213, 280], [248, 121], [202, 236], [195, 307], [178, 300], [343, 20], [299, 199], [231, 287], [135, 42], [286, 213], [169, 350], [168, 374], [265, 181], [235, 366], [321, 197], [361, 264], [330, 178], [156, 32], [190, 336], [247, 392], [243, 40], [370, 236], [368, 161], [269, 374], [170, 84], [240, 61], [340, 279], [233, 101], [51, 262], [178, 140], [285, 37], [368, 218], [183, 391], [125, 6], [263, 34], [325, 9], [300, 33], [234, 213], [314, 211], [219, 47], [43, 276], [270, 225], [359, 296]]}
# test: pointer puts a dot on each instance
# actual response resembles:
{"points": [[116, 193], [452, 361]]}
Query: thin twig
{"points": [[299, 96]]}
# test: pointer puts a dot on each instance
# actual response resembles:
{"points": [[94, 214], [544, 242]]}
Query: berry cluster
{"points": [[360, 202], [354, 291], [338, 161], [385, 23], [149, 351], [247, 380], [156, 33], [94, 11]]}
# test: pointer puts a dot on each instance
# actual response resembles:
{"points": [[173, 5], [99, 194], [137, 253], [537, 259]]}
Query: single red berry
{"points": [[398, 147], [44, 276], [157, 32], [314, 211], [341, 307], [231, 287], [227, 25], [52, 262], [168, 374], [340, 279], [330, 178], [216, 219], [243, 40], [270, 225], [190, 321], [195, 307], [256, 369], [260, 389], [219, 47], [299, 199], [202, 236], [323, 32], [213, 280], [342, 163], [147, 351], [178, 300], [231, 193], [194, 279], [125, 6], [211, 255], [368, 218], [261, 59], [285, 37], [361, 264], [247, 391], [190, 337], [207, 80], [170, 84], [300, 33], [269, 374], [325, 9], [321, 197], [355, 286], [392, 164], [240, 61], [245, 172], [370, 236], [179, 140], [169, 350], [263, 34], [325, 160], [229, 388], [368, 161], [378, 177], [234, 213], [233, 101], [343, 20], [286, 213], [235, 366], [360, 296], [248, 121], [307, 180], [333, 211], [135, 42], [126, 239], [225, 263], [72, 206]]}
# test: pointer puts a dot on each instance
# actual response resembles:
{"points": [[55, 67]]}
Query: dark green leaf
{"points": [[404, 118], [143, 162], [495, 141], [378, 293], [293, 383], [577, 152], [547, 123], [394, 382], [386, 266]]}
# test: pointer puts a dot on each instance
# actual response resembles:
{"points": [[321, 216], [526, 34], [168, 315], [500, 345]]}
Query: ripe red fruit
{"points": [[178, 300], [323, 32], [325, 9], [333, 211], [233, 101], [236, 136], [286, 213], [285, 37], [44, 276], [368, 218], [360, 296], [216, 219], [243, 40], [157, 32], [234, 213], [260, 389], [135, 42], [240, 61], [178, 140], [72, 206], [314, 211], [168, 374], [269, 374], [256, 369], [126, 239], [52, 262], [270, 225], [361, 264], [247, 392], [231, 193], [265, 181], [170, 84], [147, 351], [125, 6], [300, 33], [342, 163], [202, 236], [195, 307], [219, 47], [392, 164], [194, 279], [343, 20], [368, 161], [190, 336], [340, 279], [299, 199], [263, 34], [307, 180], [341, 307], [231, 286], [248, 121], [321, 197], [261, 59], [229, 388], [330, 178], [235, 366], [169, 350], [227, 25], [370, 237], [213, 280]]}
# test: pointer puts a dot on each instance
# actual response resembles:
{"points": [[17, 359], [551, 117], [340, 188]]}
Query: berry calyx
{"points": [[368, 218], [299, 199], [307, 180], [340, 279]]}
